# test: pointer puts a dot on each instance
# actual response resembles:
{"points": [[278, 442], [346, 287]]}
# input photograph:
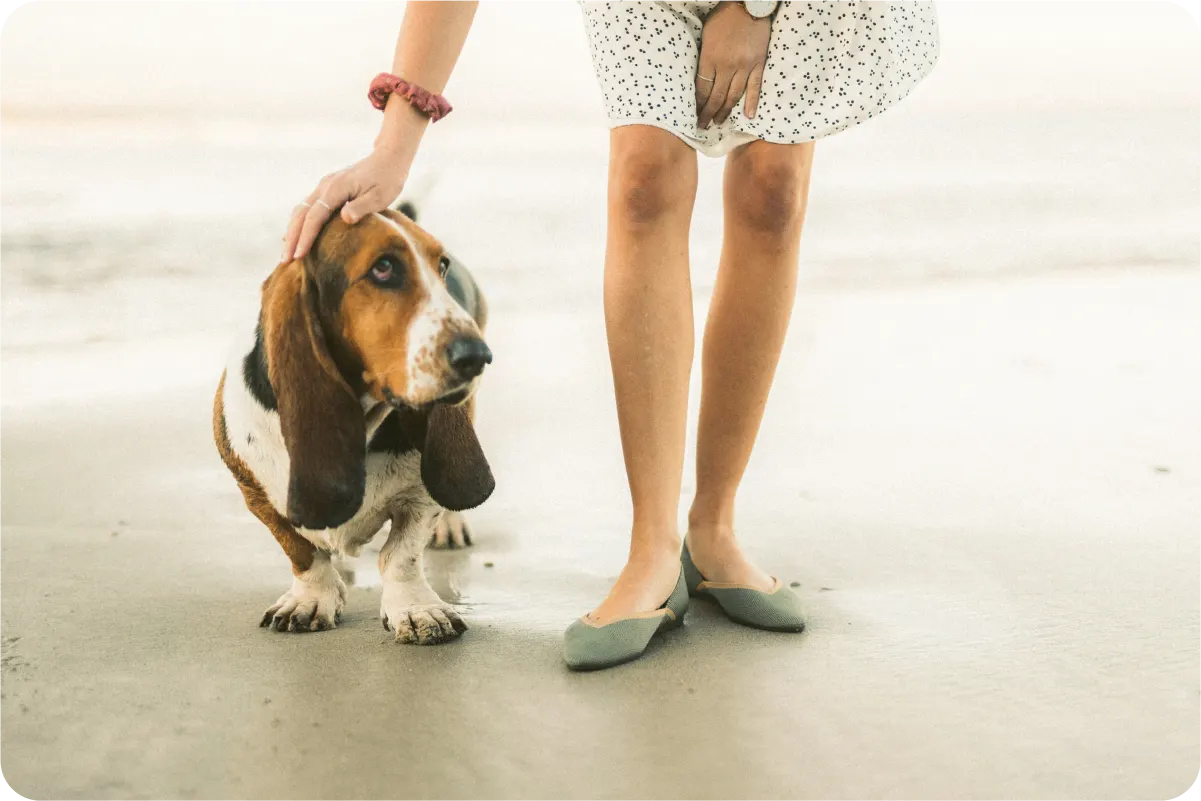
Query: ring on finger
{"points": [[324, 205], [302, 205], [703, 78]]}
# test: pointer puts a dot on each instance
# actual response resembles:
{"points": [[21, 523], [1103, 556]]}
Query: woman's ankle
{"points": [[717, 554], [656, 541], [710, 521]]}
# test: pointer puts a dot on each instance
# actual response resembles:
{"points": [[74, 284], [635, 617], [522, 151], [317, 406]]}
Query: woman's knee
{"points": [[651, 174], [767, 185]]}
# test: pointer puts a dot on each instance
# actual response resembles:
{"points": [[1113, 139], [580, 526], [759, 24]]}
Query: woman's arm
{"points": [[431, 38]]}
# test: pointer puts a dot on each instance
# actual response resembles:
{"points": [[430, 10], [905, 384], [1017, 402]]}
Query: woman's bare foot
{"points": [[717, 555], [645, 582]]}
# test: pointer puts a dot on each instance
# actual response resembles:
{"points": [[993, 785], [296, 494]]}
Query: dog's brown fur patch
{"points": [[376, 323], [299, 550]]}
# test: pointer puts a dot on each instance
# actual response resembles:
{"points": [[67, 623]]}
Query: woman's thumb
{"points": [[360, 207]]}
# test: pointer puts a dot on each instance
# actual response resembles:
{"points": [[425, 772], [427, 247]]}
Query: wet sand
{"points": [[987, 491]]}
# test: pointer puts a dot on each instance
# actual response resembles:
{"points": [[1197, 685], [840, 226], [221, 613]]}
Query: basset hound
{"points": [[350, 406]]}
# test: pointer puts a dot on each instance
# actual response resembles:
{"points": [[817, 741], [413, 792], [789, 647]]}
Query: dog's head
{"points": [[367, 315]]}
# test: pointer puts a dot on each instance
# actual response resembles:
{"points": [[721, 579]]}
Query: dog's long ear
{"points": [[319, 415], [453, 467]]}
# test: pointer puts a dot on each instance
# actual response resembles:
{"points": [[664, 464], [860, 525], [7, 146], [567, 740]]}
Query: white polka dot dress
{"points": [[830, 65]]}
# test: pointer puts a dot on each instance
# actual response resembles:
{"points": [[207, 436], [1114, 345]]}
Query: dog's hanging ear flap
{"points": [[319, 415], [453, 467]]}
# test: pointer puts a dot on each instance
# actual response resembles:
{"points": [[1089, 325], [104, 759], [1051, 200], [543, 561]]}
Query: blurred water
{"points": [[115, 230]]}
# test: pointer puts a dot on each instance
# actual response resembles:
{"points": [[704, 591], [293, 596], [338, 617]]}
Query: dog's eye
{"points": [[443, 265], [386, 272]]}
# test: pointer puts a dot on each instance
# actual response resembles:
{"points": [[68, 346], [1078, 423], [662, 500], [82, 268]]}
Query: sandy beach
{"points": [[1001, 610]]}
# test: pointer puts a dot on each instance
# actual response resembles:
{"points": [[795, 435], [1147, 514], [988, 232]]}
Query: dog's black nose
{"points": [[468, 355]]}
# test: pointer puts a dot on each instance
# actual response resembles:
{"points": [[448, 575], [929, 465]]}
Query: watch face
{"points": [[760, 8]]}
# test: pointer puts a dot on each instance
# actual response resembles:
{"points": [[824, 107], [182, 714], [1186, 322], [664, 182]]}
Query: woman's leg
{"points": [[648, 317], [766, 188]]}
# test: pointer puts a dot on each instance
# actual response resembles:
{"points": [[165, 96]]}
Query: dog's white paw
{"points": [[427, 622], [451, 531], [314, 603]]}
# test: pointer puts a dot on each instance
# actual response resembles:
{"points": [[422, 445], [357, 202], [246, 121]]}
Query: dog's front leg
{"points": [[409, 606]]}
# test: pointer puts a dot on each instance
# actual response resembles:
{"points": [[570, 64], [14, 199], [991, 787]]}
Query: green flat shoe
{"points": [[778, 609], [587, 646]]}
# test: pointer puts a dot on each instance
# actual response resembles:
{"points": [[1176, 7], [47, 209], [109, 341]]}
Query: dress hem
{"points": [[700, 146]]}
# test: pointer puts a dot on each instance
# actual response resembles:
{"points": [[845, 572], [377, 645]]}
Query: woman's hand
{"points": [[733, 53], [430, 40], [360, 189]]}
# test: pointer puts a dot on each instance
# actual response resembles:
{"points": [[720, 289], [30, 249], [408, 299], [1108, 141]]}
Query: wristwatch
{"points": [[760, 8]]}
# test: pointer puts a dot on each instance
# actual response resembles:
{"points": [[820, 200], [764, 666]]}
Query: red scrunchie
{"points": [[431, 105]]}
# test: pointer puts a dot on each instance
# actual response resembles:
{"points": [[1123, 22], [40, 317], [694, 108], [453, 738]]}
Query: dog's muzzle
{"points": [[466, 356]]}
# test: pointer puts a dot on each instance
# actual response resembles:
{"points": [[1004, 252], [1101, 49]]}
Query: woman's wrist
{"points": [[402, 128], [402, 120]]}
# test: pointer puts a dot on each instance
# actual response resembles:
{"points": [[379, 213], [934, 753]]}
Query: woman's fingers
{"points": [[722, 94], [367, 186], [754, 84], [737, 87], [324, 205], [721, 85], [292, 235], [705, 75]]}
